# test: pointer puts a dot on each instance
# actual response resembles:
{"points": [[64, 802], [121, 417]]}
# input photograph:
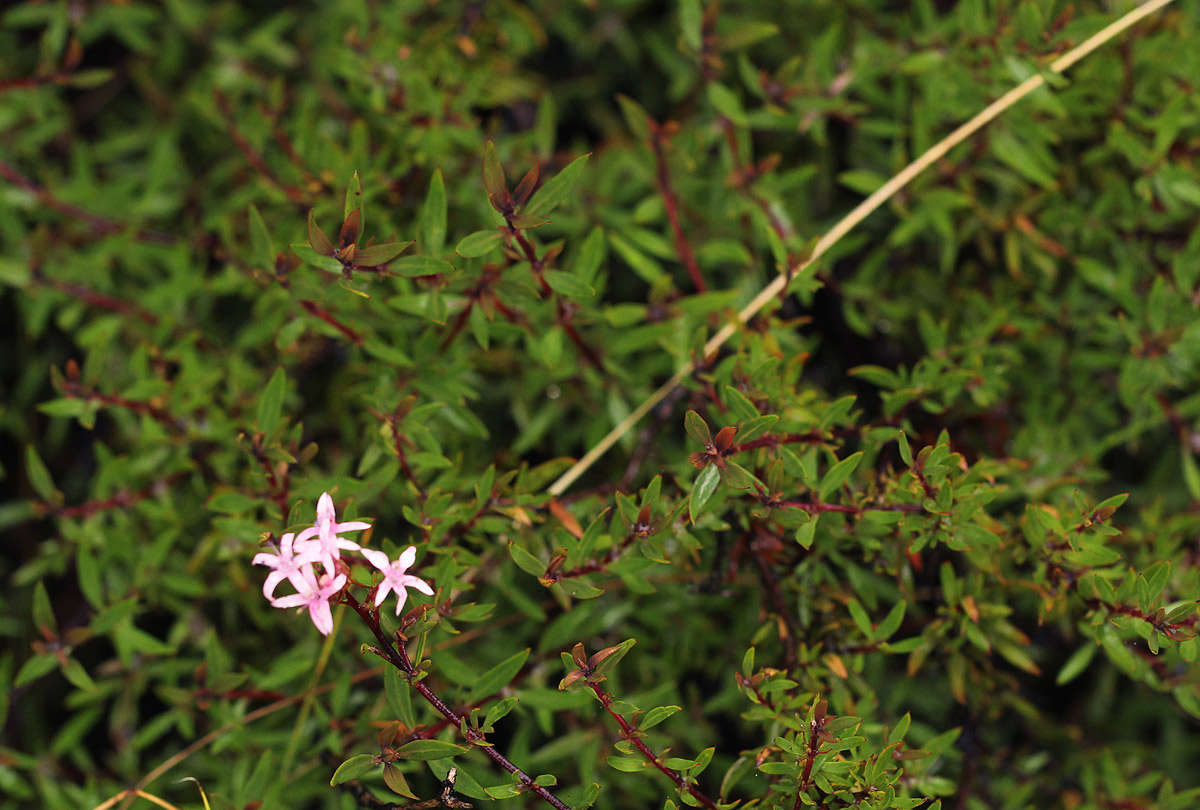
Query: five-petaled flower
{"points": [[394, 576], [321, 543], [287, 564], [314, 594], [327, 529]]}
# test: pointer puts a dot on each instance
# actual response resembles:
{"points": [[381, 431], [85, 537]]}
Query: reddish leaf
{"points": [[493, 175], [317, 239], [724, 439], [528, 221], [566, 519], [526, 186], [351, 229]]}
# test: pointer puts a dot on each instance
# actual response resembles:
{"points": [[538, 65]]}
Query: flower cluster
{"points": [[322, 543]]}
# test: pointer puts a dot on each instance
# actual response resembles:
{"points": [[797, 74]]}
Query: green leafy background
{"points": [[960, 539]]}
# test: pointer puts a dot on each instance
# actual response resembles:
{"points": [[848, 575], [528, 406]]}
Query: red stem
{"points": [[397, 655], [818, 507], [96, 222], [121, 500], [313, 308], [160, 415], [97, 299], [252, 156], [663, 178], [770, 440], [631, 734], [538, 265]]}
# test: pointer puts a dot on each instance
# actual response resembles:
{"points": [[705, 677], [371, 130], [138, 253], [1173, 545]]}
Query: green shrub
{"points": [[920, 532]]}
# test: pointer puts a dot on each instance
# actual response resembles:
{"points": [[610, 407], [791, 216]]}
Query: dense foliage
{"points": [[924, 530]]}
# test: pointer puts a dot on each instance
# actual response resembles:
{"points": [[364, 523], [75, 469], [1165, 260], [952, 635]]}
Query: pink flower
{"points": [[286, 565], [314, 594], [394, 576], [326, 530]]}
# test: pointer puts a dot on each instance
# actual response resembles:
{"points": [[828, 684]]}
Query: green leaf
{"points": [[34, 668], [1191, 474], [378, 255], [556, 189], [727, 104], [636, 118], [394, 778], [697, 428], [85, 79], [43, 613], [74, 672], [526, 561], [861, 619], [39, 476], [591, 255], [627, 764], [426, 750], [657, 715], [233, 503], [354, 199], [745, 33], [262, 247], [739, 403], [498, 676], [499, 710], [901, 728], [479, 243], [1077, 663], [603, 661], [493, 173], [310, 256], [580, 588], [891, 622], [806, 533], [690, 19], [839, 474], [15, 272], [864, 181], [399, 697], [413, 266], [270, 402], [568, 285], [1022, 156], [353, 768], [702, 490], [753, 428], [906, 454], [431, 225], [317, 239]]}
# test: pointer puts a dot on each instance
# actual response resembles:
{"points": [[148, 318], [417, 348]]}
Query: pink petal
{"points": [[273, 580], [321, 616], [351, 526], [325, 511], [408, 558], [377, 559], [419, 584], [291, 600], [385, 587]]}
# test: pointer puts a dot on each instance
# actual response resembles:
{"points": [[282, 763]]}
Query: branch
{"points": [[631, 734], [397, 655], [663, 178]]}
